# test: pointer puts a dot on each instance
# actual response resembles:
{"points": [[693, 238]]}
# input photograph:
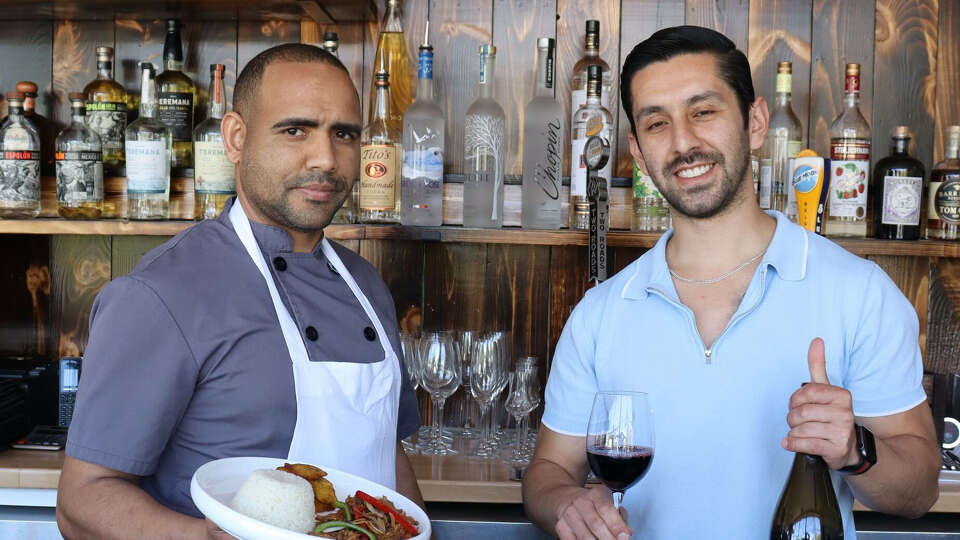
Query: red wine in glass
{"points": [[619, 469]]}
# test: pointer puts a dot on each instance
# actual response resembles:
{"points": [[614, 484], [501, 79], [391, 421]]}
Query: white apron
{"points": [[346, 412]]}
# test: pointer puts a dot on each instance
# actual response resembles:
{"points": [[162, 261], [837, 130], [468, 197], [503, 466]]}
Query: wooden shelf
{"points": [[320, 11], [864, 246]]}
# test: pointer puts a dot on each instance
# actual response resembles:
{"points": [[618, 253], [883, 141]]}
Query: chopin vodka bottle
{"points": [[148, 147], [542, 148], [19, 163], [213, 173], [484, 151], [79, 166], [421, 191]]}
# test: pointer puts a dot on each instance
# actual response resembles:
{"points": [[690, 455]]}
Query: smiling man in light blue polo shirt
{"points": [[721, 322]]}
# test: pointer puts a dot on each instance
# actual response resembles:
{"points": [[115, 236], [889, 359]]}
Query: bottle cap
{"points": [[104, 53], [853, 69], [27, 87], [173, 25], [544, 43], [901, 132], [593, 26], [216, 67], [330, 36], [18, 96], [148, 66], [488, 49], [784, 67], [77, 96]]}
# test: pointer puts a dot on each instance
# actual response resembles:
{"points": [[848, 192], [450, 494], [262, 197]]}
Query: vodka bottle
{"points": [[421, 183], [850, 161], [484, 151], [591, 57], [542, 148], [380, 156], [591, 119], [784, 140]]}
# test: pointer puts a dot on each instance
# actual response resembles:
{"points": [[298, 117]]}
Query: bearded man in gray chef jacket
{"points": [[248, 335]]}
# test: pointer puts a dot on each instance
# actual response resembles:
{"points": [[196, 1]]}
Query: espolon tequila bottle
{"points": [[79, 161], [19, 163], [107, 110]]}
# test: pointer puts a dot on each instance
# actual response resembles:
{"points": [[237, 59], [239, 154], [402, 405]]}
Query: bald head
{"points": [[248, 82]]}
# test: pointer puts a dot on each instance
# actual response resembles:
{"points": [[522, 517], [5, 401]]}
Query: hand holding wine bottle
{"points": [[821, 416]]}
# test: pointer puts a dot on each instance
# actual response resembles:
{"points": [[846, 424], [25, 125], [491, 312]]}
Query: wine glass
{"points": [[463, 343], [441, 378], [410, 344], [620, 440], [522, 399], [489, 372], [529, 362]]}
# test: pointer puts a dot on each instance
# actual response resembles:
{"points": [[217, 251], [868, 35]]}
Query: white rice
{"points": [[278, 498]]}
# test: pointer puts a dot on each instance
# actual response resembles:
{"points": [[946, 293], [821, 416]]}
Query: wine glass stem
{"points": [[524, 428], [484, 426], [617, 499], [437, 418], [519, 450]]}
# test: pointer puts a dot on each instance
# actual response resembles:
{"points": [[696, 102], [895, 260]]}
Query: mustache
{"points": [[691, 158], [336, 182]]}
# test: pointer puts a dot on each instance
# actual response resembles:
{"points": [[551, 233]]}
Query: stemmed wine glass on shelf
{"points": [[440, 376], [410, 344], [463, 343], [620, 442], [523, 398], [488, 368]]}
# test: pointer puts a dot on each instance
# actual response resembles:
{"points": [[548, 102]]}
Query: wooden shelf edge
{"points": [[453, 233]]}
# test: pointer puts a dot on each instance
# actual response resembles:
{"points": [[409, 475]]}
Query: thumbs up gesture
{"points": [[821, 416]]}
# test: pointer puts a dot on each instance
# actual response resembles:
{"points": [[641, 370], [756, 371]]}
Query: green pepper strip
{"points": [[345, 508], [330, 524]]}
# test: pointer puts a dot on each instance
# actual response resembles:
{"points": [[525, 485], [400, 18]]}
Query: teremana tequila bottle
{"points": [[148, 148], [213, 173], [176, 96]]}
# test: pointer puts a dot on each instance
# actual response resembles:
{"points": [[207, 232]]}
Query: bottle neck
{"points": [[148, 97], [594, 92], [425, 75], [900, 145], [77, 113], [487, 65], [425, 89], [15, 113], [104, 70], [851, 100], [393, 18], [953, 150], [217, 107], [172, 52], [544, 73], [382, 107]]}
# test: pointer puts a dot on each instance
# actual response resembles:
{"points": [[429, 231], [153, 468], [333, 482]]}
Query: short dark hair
{"points": [[669, 42], [248, 82]]}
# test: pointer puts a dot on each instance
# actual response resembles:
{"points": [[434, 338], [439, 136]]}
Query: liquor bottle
{"points": [[421, 183], [943, 214], [331, 42], [176, 95], [394, 58], [148, 148], [591, 119], [808, 506], [650, 212], [43, 126], [107, 110], [542, 148], [213, 173], [79, 166], [591, 57], [380, 153], [782, 144], [850, 160], [19, 163], [484, 151], [898, 186]]}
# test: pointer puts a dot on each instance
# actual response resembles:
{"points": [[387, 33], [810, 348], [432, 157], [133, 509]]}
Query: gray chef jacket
{"points": [[186, 362]]}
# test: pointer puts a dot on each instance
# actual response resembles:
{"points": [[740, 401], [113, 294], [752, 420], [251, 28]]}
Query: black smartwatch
{"points": [[867, 448]]}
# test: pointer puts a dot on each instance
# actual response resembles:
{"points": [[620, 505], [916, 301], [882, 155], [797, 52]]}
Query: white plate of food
{"points": [[269, 498]]}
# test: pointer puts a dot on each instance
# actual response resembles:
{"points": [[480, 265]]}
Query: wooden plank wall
{"points": [[909, 51]]}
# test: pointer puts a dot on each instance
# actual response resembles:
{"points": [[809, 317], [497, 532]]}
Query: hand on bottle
{"points": [[591, 515], [821, 416]]}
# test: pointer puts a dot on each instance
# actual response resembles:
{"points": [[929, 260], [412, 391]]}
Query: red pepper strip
{"points": [[379, 505]]}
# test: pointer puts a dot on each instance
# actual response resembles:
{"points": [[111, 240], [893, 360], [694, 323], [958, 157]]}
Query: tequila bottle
{"points": [[782, 144], [148, 147], [213, 172], [421, 183], [394, 58], [591, 57], [898, 186], [484, 151], [44, 127], [943, 212], [19, 163], [850, 161], [542, 148], [176, 95], [380, 156], [591, 119], [107, 110], [79, 166]]}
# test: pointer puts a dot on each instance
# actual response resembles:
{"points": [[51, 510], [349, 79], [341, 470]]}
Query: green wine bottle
{"points": [[808, 507]]}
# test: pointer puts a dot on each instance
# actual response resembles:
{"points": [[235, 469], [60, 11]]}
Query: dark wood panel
{"points": [[400, 264], [126, 252], [912, 275], [948, 72], [780, 31], [26, 48], [253, 37], [844, 33], [453, 286], [205, 43], [458, 29], [25, 289], [904, 64], [80, 267], [571, 20], [943, 334], [518, 296], [75, 61], [643, 18], [729, 17], [568, 283], [516, 26]]}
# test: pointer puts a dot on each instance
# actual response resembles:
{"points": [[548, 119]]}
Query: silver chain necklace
{"points": [[719, 278]]}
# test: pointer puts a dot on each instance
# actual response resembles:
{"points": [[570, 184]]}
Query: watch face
{"points": [[951, 432]]}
